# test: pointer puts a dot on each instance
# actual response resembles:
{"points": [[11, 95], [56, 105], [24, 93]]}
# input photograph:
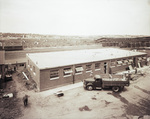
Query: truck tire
{"points": [[122, 88], [116, 89], [90, 88]]}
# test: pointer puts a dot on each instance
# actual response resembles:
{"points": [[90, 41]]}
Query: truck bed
{"points": [[115, 82], [114, 79]]}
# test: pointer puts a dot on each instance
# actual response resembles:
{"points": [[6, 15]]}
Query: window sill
{"points": [[112, 66], [97, 69], [88, 71], [118, 65], [67, 76], [54, 78], [78, 73]]}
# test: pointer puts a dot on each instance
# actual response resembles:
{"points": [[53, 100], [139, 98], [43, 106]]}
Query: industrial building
{"points": [[53, 69], [125, 42]]}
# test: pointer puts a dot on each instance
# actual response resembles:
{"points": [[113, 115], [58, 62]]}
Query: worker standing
{"points": [[25, 100]]}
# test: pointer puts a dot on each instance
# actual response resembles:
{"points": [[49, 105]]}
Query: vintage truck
{"points": [[115, 82]]}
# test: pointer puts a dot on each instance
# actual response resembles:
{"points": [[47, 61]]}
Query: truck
{"points": [[115, 82]]}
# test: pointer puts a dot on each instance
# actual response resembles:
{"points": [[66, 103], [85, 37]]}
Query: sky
{"points": [[76, 17]]}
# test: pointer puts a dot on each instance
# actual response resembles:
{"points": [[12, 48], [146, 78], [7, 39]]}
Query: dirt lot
{"points": [[131, 103]]}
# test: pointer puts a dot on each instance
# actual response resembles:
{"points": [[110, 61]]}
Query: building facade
{"points": [[53, 69]]}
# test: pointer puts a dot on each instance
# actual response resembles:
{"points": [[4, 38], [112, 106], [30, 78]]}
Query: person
{"points": [[25, 100], [14, 68]]}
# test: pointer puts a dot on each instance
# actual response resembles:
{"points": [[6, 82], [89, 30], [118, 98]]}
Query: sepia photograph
{"points": [[74, 59]]}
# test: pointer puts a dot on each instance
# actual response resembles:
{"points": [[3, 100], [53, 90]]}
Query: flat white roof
{"points": [[65, 58]]}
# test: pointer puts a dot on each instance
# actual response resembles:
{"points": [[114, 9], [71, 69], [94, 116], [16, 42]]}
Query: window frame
{"points": [[67, 74], [55, 77], [79, 72], [143, 58], [139, 58], [119, 62], [21, 65], [130, 61], [113, 64], [125, 61], [87, 69], [99, 66]]}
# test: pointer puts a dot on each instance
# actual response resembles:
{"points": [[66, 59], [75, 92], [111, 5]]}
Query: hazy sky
{"points": [[76, 17]]}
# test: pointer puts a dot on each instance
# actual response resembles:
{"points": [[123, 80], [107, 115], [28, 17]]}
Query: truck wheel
{"points": [[122, 87], [116, 89], [90, 88]]}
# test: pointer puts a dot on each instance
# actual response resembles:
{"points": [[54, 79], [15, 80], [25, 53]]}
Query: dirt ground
{"points": [[132, 103]]}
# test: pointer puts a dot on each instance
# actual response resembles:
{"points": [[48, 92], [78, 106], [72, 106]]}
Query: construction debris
{"points": [[59, 93], [9, 95]]}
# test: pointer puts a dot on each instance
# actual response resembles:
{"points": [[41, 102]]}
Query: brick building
{"points": [[53, 69]]}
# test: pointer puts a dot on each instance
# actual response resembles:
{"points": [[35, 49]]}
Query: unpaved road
{"points": [[83, 104], [78, 103]]}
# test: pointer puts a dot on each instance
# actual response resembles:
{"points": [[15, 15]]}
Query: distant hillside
{"points": [[41, 40], [37, 40]]}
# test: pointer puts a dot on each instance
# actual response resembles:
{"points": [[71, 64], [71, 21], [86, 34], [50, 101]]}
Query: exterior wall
{"points": [[86, 74], [124, 66], [34, 74], [120, 67], [2, 56], [47, 83], [44, 80], [142, 61]]}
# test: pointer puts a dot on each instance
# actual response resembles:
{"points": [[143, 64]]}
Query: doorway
{"points": [[105, 67]]}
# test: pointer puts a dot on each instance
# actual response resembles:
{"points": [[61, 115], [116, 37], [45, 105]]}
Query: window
{"points": [[78, 69], [125, 61], [144, 58], [119, 63], [97, 66], [139, 58], [21, 65], [113, 64], [88, 67], [54, 74], [67, 71], [130, 61]]}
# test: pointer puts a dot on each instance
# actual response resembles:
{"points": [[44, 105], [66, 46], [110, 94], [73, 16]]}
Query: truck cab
{"points": [[93, 83]]}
